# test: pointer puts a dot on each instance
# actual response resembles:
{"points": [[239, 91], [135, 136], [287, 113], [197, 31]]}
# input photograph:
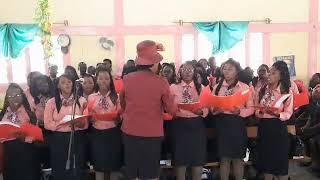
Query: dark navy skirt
{"points": [[232, 136], [106, 149], [21, 161], [142, 156], [273, 147], [189, 140], [59, 144]]}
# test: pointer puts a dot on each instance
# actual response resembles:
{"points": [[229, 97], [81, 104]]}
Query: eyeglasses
{"points": [[187, 70], [14, 96]]}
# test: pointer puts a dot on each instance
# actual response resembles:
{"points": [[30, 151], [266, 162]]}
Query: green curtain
{"points": [[223, 34], [15, 37]]}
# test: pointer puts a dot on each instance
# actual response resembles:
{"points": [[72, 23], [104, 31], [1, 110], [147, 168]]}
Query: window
{"points": [[19, 70], [3, 72], [204, 46], [256, 50], [37, 62], [187, 47], [237, 52]]}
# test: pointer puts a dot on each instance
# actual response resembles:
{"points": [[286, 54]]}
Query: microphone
{"points": [[80, 80], [78, 83]]}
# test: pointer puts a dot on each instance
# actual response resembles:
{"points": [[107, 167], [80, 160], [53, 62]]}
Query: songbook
{"points": [[226, 103], [300, 99], [205, 97], [167, 116], [281, 100], [118, 84], [190, 106], [104, 116], [32, 131], [276, 106], [108, 116], [8, 129], [69, 119]]}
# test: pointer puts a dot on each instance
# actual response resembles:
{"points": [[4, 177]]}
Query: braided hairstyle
{"points": [[58, 92], [25, 103], [113, 93], [284, 81]]}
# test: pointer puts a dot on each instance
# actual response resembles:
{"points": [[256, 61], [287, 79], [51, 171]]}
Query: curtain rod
{"points": [[65, 22], [180, 22]]}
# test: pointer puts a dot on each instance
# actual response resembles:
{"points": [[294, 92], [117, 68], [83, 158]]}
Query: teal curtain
{"points": [[223, 34], [15, 37]]}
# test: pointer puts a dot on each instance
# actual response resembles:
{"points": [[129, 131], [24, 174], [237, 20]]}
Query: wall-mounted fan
{"points": [[106, 43]]}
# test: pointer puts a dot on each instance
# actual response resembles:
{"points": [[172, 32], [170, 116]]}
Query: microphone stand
{"points": [[71, 148]]}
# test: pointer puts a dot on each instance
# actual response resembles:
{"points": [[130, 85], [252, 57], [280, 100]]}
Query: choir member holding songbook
{"points": [[276, 102], [57, 119], [105, 135], [20, 154], [231, 130], [188, 132]]}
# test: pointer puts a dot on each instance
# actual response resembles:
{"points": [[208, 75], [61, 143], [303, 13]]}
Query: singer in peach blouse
{"points": [[105, 136], [103, 104], [177, 91], [269, 99], [230, 125], [53, 117], [244, 111], [20, 154], [276, 100], [187, 129], [19, 117], [59, 138]]}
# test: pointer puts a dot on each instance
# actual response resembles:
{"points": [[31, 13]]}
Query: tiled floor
{"points": [[296, 173], [300, 173]]}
